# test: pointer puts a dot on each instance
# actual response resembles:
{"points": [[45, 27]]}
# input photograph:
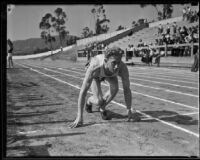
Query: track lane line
{"points": [[138, 84], [188, 79], [176, 85], [134, 92], [150, 76], [148, 116], [166, 79]]}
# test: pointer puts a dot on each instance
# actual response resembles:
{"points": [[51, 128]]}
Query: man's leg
{"points": [[109, 95], [97, 97], [112, 91], [9, 65], [11, 61]]}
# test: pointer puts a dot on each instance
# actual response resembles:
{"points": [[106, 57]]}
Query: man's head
{"points": [[113, 58]]}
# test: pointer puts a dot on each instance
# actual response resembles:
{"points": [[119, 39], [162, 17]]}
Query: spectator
{"points": [[168, 29], [141, 44], [131, 51], [9, 53], [106, 47], [184, 14], [174, 27], [196, 16], [164, 40], [160, 29], [195, 66]]}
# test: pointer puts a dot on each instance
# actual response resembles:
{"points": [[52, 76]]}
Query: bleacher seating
{"points": [[147, 35]]}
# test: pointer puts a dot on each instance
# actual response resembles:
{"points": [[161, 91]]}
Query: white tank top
{"points": [[98, 62]]}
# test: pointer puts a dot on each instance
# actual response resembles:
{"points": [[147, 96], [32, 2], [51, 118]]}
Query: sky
{"points": [[23, 21]]}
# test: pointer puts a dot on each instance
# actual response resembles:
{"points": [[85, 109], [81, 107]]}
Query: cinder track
{"points": [[45, 101]]}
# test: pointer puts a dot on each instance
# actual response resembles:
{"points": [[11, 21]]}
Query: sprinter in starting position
{"points": [[105, 67]]}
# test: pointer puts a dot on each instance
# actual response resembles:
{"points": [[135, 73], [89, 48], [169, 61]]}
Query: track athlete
{"points": [[104, 67]]}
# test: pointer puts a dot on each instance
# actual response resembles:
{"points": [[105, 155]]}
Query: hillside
{"points": [[37, 45]]}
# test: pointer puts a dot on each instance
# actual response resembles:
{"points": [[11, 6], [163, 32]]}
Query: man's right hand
{"points": [[77, 123]]}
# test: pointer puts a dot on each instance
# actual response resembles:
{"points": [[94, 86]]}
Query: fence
{"points": [[167, 46]]}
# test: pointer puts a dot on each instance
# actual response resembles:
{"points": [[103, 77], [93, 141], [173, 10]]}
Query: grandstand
{"points": [[147, 35]]}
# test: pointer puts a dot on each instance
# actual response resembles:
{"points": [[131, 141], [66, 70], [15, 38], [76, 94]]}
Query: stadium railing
{"points": [[167, 46]]}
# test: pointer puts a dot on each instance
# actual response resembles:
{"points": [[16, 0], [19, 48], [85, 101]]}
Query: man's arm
{"points": [[81, 100], [85, 86], [124, 74]]}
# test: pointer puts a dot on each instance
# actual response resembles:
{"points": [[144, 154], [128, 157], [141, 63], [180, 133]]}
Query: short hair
{"points": [[114, 51], [9, 42]]}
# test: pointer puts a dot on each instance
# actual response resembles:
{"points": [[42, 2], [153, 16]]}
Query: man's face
{"points": [[112, 64]]}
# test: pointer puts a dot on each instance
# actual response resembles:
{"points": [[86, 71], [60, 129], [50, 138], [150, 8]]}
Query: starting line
{"points": [[148, 116]]}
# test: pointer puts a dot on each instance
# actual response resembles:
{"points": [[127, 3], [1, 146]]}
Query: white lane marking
{"points": [[137, 84], [179, 74], [190, 113], [188, 78], [196, 88], [29, 132], [153, 97], [157, 73], [159, 69], [183, 114], [167, 123], [165, 69], [163, 78]]}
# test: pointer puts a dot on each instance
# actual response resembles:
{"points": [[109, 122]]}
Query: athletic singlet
{"points": [[98, 61]]}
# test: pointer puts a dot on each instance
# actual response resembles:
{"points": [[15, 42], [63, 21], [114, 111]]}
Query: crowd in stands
{"points": [[146, 52], [177, 35], [189, 15]]}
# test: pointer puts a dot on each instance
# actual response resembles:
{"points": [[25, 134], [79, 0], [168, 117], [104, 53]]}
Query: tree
{"points": [[100, 19], [59, 24], [120, 28], [133, 24], [46, 26], [87, 32], [140, 21], [165, 11]]}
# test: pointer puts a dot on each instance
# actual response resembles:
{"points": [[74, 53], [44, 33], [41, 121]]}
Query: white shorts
{"points": [[9, 56]]}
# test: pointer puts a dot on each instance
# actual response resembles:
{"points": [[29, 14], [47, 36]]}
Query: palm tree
{"points": [[120, 27], [167, 10], [94, 13], [100, 19], [46, 26], [59, 22], [87, 32]]}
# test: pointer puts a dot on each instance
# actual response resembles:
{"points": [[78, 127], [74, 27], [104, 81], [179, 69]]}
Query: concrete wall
{"points": [[163, 22], [101, 37], [42, 54]]}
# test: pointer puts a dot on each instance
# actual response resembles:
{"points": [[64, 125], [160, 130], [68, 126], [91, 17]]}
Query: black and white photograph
{"points": [[102, 80]]}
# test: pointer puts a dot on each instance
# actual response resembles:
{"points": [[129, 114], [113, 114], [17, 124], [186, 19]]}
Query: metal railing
{"points": [[167, 46]]}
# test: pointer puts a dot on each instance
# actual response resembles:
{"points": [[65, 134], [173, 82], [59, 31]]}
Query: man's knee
{"points": [[114, 90], [100, 102]]}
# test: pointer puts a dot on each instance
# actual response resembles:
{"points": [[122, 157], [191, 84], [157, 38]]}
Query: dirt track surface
{"points": [[40, 108]]}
